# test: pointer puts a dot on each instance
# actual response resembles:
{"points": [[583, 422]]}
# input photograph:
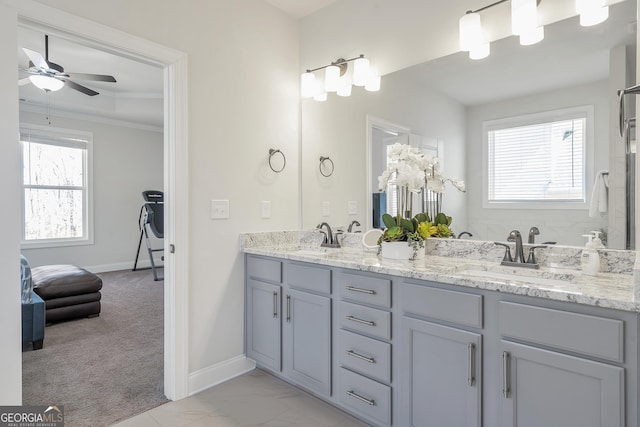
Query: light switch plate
{"points": [[352, 208], [265, 209], [326, 208], [219, 209]]}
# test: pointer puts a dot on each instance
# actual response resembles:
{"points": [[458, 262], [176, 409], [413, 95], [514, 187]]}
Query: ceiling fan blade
{"points": [[23, 82], [80, 88], [37, 59], [92, 77]]}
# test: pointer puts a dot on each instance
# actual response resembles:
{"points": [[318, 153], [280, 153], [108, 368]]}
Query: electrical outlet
{"points": [[352, 208], [219, 209], [265, 209], [326, 208]]}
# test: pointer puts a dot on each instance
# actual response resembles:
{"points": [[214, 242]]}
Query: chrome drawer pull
{"points": [[361, 357], [364, 291], [360, 398], [364, 322]]}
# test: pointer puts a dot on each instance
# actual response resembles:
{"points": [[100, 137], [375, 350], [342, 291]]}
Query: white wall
{"points": [[126, 161], [243, 100], [492, 224], [337, 128], [10, 331]]}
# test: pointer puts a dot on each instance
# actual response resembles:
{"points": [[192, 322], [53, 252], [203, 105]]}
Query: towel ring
{"points": [[324, 169], [273, 152]]}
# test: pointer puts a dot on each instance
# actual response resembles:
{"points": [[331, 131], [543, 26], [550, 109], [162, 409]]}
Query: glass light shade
{"points": [[594, 16], [344, 86], [532, 37], [308, 85], [470, 31], [373, 83], [583, 6], [360, 71], [524, 16], [480, 51], [322, 96], [46, 83], [331, 78]]}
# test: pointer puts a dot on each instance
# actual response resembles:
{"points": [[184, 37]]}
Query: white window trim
{"points": [[542, 117], [88, 238]]}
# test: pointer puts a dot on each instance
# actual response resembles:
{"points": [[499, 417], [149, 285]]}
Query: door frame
{"points": [[174, 63]]}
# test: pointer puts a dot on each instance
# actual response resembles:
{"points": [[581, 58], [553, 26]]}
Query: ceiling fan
{"points": [[50, 76]]}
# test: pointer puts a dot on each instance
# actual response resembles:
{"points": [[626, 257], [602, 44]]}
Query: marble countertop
{"points": [[607, 289]]}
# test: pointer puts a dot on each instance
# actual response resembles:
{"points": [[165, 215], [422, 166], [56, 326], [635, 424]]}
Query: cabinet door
{"points": [[264, 336], [441, 380], [307, 340], [545, 388]]}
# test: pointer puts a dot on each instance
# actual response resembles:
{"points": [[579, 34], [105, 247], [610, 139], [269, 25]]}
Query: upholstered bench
{"points": [[68, 291]]}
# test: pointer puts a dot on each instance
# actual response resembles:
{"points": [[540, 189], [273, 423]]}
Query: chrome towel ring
{"points": [[326, 166], [273, 152]]}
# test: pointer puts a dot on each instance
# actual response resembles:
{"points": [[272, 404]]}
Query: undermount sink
{"points": [[511, 276]]}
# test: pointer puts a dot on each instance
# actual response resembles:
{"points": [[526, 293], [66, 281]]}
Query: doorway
{"points": [[175, 167]]}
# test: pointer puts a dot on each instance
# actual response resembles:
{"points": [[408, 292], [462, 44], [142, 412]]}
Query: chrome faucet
{"points": [[518, 260], [533, 232], [353, 223], [516, 237], [330, 240]]}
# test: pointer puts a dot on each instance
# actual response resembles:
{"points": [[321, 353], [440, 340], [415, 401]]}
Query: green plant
{"points": [[414, 230]]}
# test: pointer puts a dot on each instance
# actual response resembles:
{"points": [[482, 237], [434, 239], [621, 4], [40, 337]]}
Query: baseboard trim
{"points": [[219, 373], [117, 266]]}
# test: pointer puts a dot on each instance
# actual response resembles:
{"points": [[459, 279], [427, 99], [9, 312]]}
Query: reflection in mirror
{"points": [[451, 98]]}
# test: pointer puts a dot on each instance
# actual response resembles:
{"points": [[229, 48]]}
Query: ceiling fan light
{"points": [[532, 37], [46, 83], [361, 71]]}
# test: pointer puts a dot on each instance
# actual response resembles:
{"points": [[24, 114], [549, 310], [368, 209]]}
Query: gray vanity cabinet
{"points": [[441, 365], [441, 382], [307, 326], [546, 388], [264, 311]]}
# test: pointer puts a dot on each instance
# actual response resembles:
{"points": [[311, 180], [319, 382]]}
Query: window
{"points": [[538, 160], [56, 186]]}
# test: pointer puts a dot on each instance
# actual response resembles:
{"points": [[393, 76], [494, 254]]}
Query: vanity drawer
{"points": [[442, 304], [366, 397], [369, 290], [264, 269], [365, 355], [365, 319], [589, 335], [309, 278]]}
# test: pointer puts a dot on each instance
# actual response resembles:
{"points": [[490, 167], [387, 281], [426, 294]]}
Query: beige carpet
{"points": [[106, 368]]}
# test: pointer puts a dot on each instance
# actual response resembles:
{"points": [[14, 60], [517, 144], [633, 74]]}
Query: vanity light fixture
{"points": [[337, 79], [592, 12], [524, 23]]}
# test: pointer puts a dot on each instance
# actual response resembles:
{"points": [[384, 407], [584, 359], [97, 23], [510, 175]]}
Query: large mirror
{"points": [[448, 101]]}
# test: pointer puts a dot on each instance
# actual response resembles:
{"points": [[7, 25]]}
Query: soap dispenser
{"points": [[597, 243], [590, 258]]}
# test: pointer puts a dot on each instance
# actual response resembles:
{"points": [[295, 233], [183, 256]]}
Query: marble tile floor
{"points": [[253, 399]]}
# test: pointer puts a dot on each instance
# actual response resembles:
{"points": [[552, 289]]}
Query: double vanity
{"points": [[454, 339]]}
